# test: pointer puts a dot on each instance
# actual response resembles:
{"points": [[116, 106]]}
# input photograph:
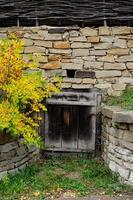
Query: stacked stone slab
{"points": [[15, 156], [106, 51], [117, 141]]}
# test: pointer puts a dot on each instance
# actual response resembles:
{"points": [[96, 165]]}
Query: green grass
{"points": [[124, 101], [42, 180]]}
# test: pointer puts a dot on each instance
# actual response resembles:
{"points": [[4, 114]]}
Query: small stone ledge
{"points": [[117, 141], [117, 114], [15, 156]]}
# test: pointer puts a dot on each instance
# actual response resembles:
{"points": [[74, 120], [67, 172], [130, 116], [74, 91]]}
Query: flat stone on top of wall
{"points": [[123, 30], [104, 30], [123, 117], [89, 32], [108, 111]]}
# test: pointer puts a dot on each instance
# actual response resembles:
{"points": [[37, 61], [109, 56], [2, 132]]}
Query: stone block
{"points": [[81, 86], [126, 73], [72, 80], [77, 60], [60, 51], [89, 81], [93, 65], [102, 46], [61, 45], [130, 65], [104, 30], [52, 65], [103, 86], [116, 66], [107, 39], [108, 111], [108, 73], [112, 165], [74, 33], [127, 58], [71, 66], [3, 35], [80, 52], [21, 150], [127, 145], [13, 171], [33, 29], [43, 59], [34, 49], [66, 60], [47, 44], [53, 37], [66, 85], [130, 43], [123, 117], [33, 36], [124, 173], [128, 136], [88, 32], [121, 30], [3, 174], [98, 52], [122, 151], [94, 39], [108, 58], [28, 42], [78, 39], [120, 43], [127, 80], [118, 51], [56, 29], [131, 127], [131, 177], [89, 58], [9, 147], [54, 58], [119, 86], [80, 45], [66, 36]]}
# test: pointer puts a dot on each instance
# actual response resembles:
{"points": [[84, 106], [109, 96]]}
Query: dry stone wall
{"points": [[117, 141], [15, 156], [104, 54]]}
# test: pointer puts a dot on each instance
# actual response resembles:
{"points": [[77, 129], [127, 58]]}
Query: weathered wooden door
{"points": [[70, 128]]}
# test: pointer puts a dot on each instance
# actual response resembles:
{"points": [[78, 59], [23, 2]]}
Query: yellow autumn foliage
{"points": [[22, 91]]}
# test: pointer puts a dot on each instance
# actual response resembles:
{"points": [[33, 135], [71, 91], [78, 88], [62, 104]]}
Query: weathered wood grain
{"points": [[66, 12]]}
